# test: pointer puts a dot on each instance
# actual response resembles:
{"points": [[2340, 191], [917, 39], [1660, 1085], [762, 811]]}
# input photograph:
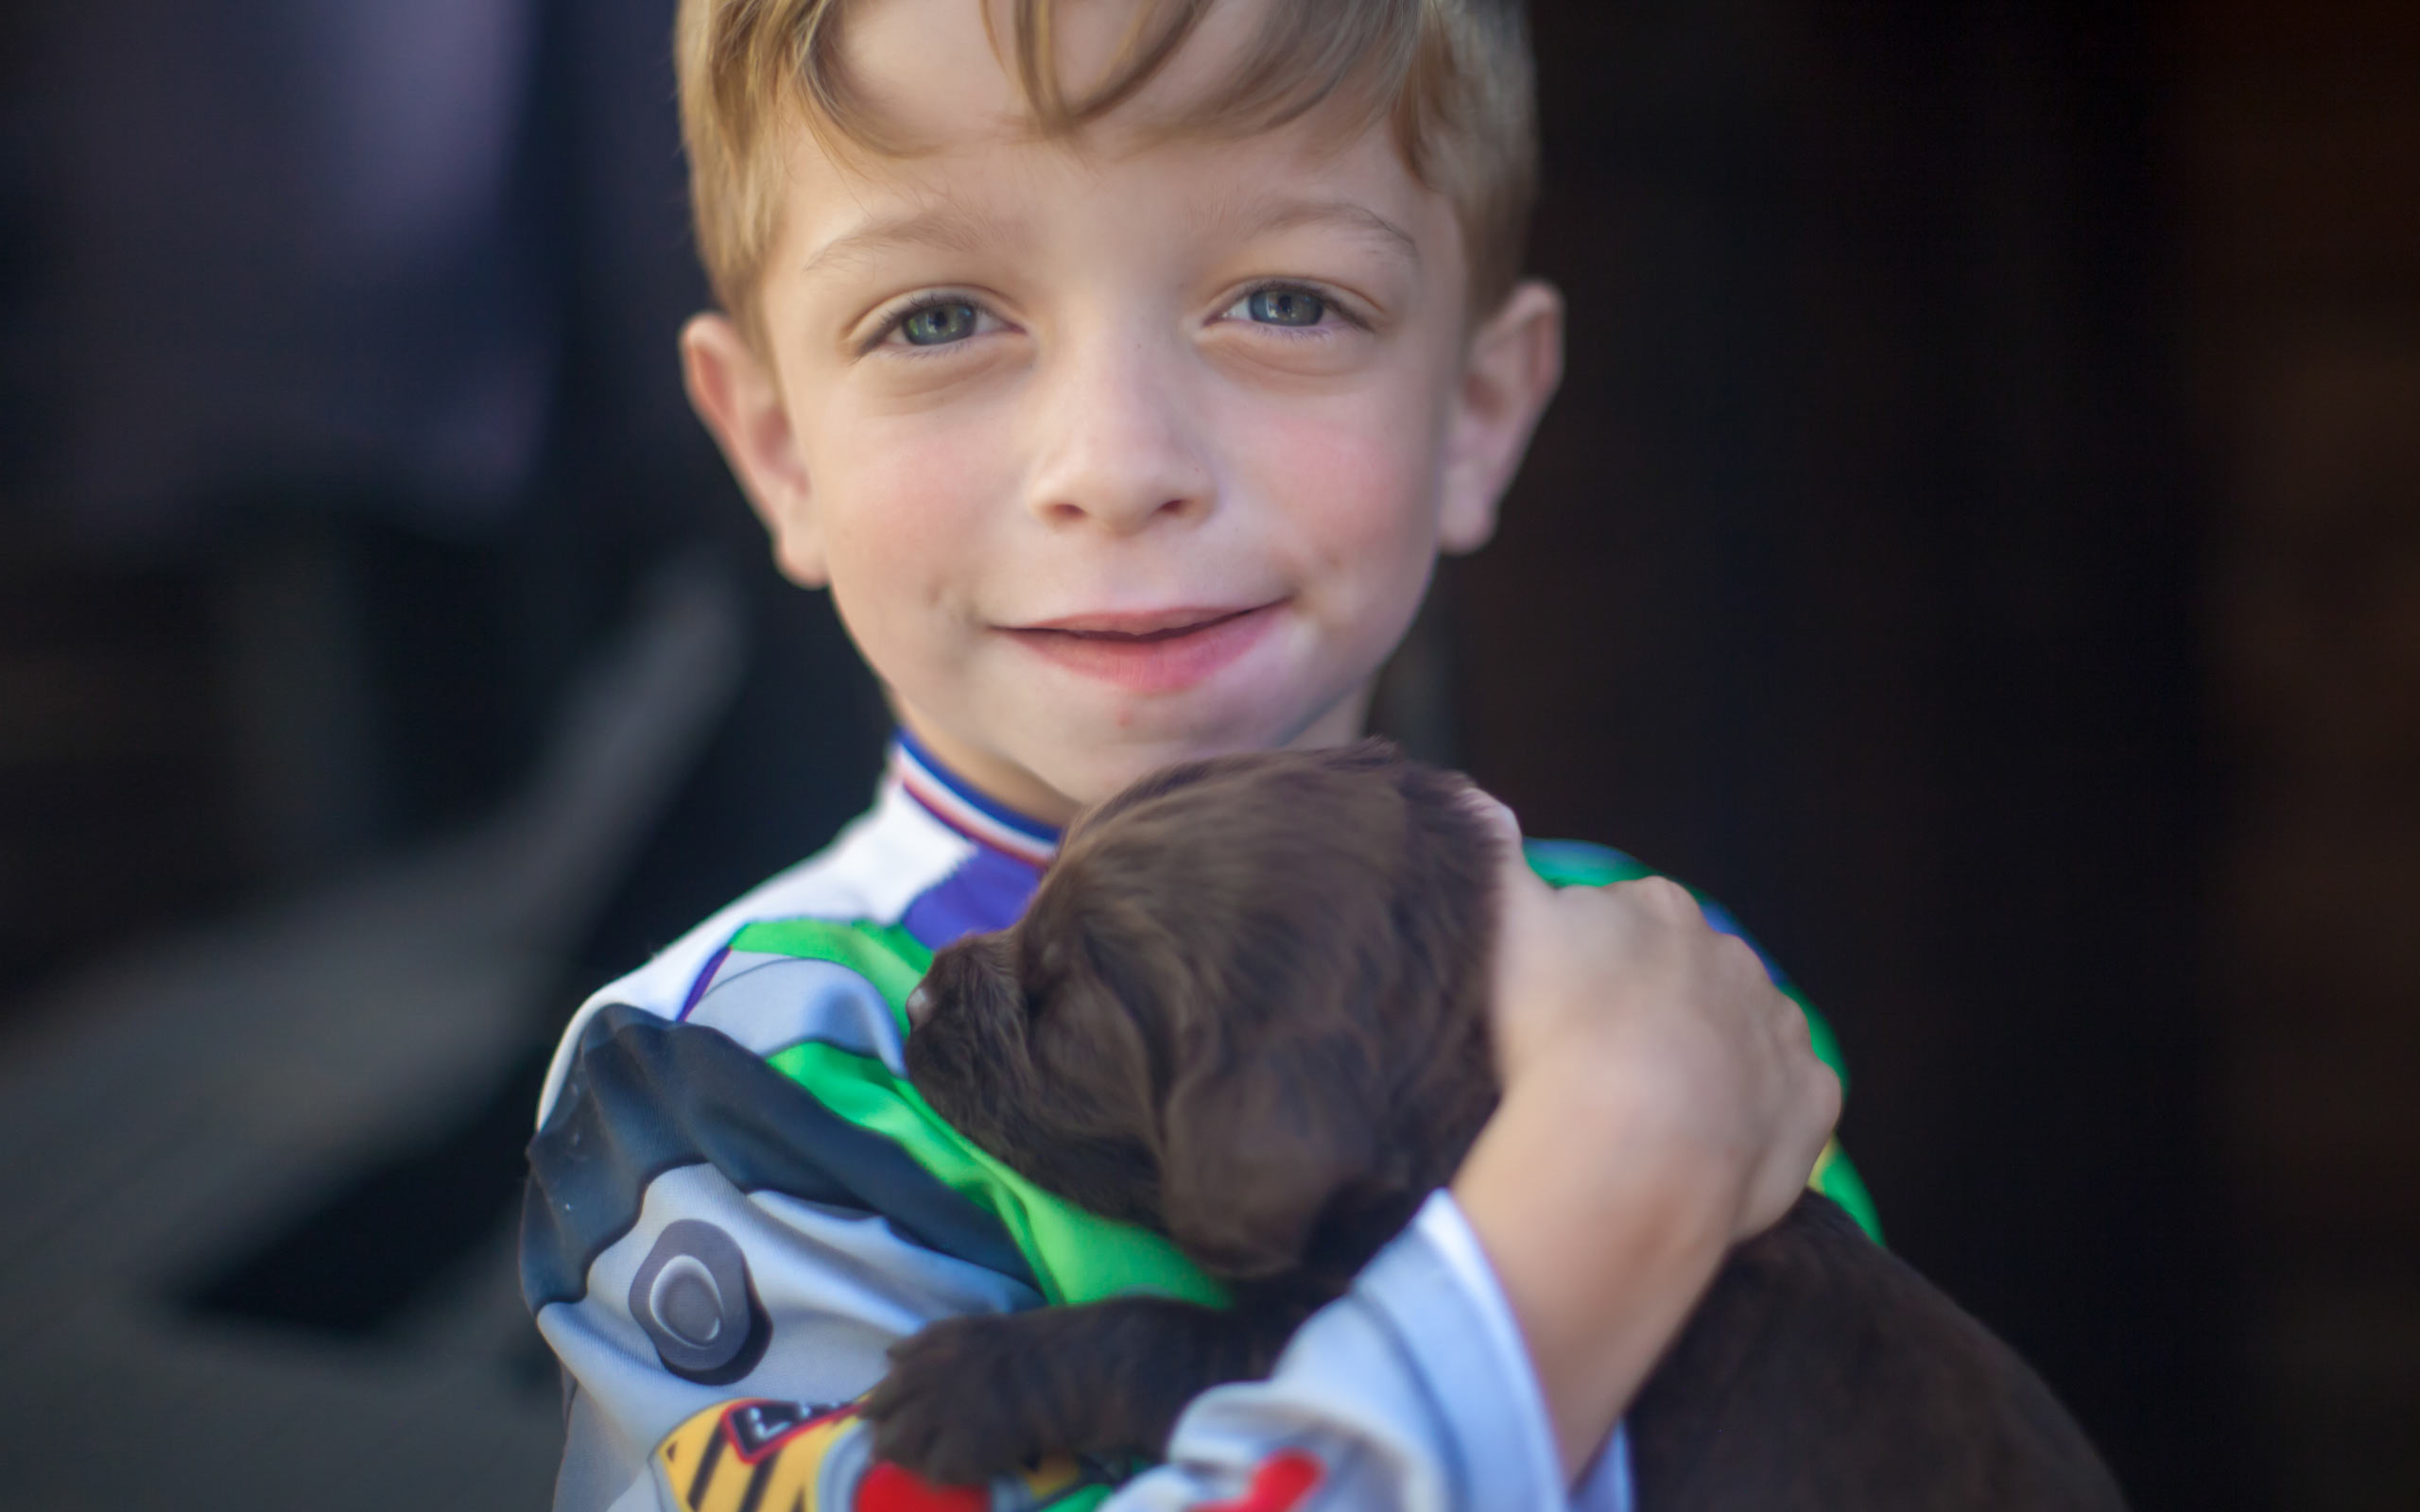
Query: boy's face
{"points": [[1121, 455]]}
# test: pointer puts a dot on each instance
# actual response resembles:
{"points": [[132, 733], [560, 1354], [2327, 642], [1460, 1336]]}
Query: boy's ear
{"points": [[734, 390], [1514, 364]]}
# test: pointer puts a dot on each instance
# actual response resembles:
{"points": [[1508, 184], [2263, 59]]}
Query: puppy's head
{"points": [[1247, 1007]]}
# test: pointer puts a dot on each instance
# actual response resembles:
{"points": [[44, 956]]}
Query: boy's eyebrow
{"points": [[948, 227], [1284, 215], [953, 227]]}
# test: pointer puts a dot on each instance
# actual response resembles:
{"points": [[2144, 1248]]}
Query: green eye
{"points": [[935, 325], [1285, 307]]}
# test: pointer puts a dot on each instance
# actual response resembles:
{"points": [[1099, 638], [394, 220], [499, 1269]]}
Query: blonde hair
{"points": [[1451, 78]]}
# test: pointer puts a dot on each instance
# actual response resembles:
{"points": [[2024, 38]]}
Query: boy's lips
{"points": [[1153, 651]]}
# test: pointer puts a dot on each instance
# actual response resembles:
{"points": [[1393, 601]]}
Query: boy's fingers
{"points": [[1662, 897], [1794, 1026], [1830, 1097], [1815, 1107], [1501, 818]]}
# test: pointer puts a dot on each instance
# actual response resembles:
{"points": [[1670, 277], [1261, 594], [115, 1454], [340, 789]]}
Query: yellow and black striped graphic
{"points": [[753, 1456], [757, 1456]]}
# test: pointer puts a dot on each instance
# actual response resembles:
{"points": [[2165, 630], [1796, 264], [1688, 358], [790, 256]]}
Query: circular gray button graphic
{"points": [[694, 1299]]}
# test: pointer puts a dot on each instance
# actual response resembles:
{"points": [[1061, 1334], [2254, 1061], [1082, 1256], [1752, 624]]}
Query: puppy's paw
{"points": [[961, 1402]]}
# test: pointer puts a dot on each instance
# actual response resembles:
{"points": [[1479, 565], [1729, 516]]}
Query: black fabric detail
{"points": [[646, 1097]]}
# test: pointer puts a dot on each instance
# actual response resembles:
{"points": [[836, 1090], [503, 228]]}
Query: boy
{"points": [[1121, 368]]}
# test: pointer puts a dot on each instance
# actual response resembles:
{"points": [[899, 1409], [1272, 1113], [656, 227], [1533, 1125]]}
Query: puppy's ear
{"points": [[1253, 1152]]}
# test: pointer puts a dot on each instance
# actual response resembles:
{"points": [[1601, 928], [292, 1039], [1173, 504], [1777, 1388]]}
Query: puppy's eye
{"points": [[919, 1005]]}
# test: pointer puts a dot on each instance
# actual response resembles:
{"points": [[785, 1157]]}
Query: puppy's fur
{"points": [[1248, 1008]]}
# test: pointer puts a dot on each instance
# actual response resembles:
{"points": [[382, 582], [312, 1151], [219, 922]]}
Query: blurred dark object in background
{"points": [[1979, 541], [342, 416]]}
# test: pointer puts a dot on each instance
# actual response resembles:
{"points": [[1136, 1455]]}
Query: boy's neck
{"points": [[987, 776]]}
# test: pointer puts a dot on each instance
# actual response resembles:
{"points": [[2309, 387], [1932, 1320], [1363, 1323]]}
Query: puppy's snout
{"points": [[920, 1005]]}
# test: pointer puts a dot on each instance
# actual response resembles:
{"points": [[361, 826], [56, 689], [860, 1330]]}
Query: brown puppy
{"points": [[1248, 1008]]}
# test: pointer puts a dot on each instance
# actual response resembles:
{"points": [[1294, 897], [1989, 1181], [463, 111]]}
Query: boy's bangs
{"points": [[1303, 56]]}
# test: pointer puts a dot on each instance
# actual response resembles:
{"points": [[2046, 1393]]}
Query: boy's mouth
{"points": [[1155, 651]]}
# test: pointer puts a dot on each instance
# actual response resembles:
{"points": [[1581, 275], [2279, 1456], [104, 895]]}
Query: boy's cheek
{"points": [[1355, 478], [907, 492]]}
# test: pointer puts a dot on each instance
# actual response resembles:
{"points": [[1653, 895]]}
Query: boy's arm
{"points": [[1413, 1391], [1662, 1101]]}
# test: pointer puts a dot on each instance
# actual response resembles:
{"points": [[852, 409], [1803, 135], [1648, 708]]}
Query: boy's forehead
{"points": [[928, 69]]}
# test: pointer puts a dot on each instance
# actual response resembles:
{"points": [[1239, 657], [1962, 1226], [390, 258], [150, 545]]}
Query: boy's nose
{"points": [[1118, 450]]}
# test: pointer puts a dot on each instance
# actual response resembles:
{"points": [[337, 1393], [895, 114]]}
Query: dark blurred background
{"points": [[1979, 541]]}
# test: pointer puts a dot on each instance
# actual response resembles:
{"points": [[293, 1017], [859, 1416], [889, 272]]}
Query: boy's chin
{"points": [[1095, 770], [1087, 777]]}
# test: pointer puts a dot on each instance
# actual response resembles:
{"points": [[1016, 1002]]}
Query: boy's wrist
{"points": [[1602, 1233]]}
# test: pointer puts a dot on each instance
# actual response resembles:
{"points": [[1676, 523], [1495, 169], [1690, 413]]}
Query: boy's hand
{"points": [[1661, 1100], [1666, 1023]]}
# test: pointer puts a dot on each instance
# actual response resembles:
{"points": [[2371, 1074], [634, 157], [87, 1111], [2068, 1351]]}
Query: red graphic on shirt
{"points": [[890, 1487], [1279, 1484]]}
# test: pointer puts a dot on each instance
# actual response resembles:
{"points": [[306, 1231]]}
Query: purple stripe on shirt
{"points": [[987, 891], [706, 979]]}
